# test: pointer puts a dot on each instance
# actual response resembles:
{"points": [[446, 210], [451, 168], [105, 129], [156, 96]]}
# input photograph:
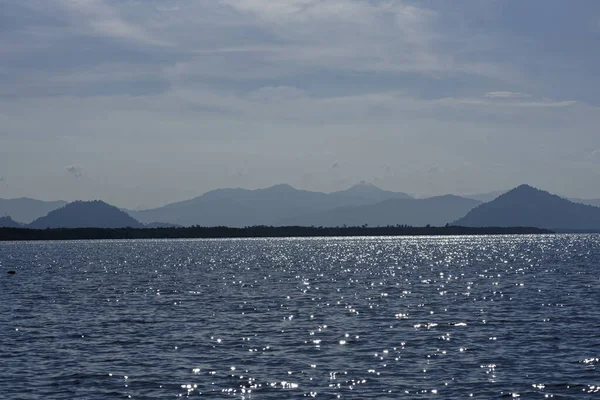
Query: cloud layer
{"points": [[316, 93]]}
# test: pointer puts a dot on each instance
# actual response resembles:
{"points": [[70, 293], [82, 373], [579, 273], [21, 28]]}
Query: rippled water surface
{"points": [[359, 318]]}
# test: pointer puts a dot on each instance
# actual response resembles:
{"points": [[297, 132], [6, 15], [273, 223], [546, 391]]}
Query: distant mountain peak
{"points": [[528, 206], [367, 193], [281, 187], [86, 214], [364, 185], [525, 191], [525, 187]]}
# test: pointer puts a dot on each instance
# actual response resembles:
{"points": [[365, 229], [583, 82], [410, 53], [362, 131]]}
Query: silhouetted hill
{"points": [[8, 222], [243, 207], [235, 207], [435, 211], [528, 206], [487, 197], [86, 214], [26, 210]]}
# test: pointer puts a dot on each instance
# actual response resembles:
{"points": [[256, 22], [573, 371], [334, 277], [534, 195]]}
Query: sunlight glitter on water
{"points": [[333, 318]]}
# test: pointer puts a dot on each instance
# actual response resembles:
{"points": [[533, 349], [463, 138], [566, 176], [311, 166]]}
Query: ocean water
{"points": [[350, 318]]}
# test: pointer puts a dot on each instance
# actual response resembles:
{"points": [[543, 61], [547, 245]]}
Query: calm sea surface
{"points": [[359, 318]]}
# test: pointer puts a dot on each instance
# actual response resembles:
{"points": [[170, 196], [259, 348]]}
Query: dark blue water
{"points": [[361, 318]]}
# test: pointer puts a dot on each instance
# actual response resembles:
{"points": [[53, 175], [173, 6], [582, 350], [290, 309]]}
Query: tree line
{"points": [[197, 232]]}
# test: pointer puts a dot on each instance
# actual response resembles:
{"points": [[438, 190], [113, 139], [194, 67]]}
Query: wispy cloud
{"points": [[252, 42], [97, 17], [508, 99], [75, 170], [546, 103], [505, 95]]}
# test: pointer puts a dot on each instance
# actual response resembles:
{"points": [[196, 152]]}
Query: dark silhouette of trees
{"points": [[247, 232]]}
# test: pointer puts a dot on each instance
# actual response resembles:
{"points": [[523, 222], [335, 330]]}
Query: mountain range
{"points": [[283, 205], [271, 206]]}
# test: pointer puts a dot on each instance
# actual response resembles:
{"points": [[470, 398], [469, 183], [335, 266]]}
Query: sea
{"points": [[460, 317]]}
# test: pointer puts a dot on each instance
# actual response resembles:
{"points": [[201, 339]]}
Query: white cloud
{"points": [[98, 17], [508, 99], [250, 40], [505, 95], [546, 103], [348, 34], [229, 42], [272, 9]]}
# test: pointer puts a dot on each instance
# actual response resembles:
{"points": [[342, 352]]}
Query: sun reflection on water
{"points": [[444, 317]]}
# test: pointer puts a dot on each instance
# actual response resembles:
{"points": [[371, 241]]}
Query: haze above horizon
{"points": [[146, 103]]}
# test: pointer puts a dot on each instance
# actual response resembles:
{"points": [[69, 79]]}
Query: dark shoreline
{"points": [[20, 234]]}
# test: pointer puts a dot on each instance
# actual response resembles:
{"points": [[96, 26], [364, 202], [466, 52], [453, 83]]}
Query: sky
{"points": [[145, 102]]}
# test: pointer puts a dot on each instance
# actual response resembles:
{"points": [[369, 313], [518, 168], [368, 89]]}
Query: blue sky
{"points": [[143, 102]]}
